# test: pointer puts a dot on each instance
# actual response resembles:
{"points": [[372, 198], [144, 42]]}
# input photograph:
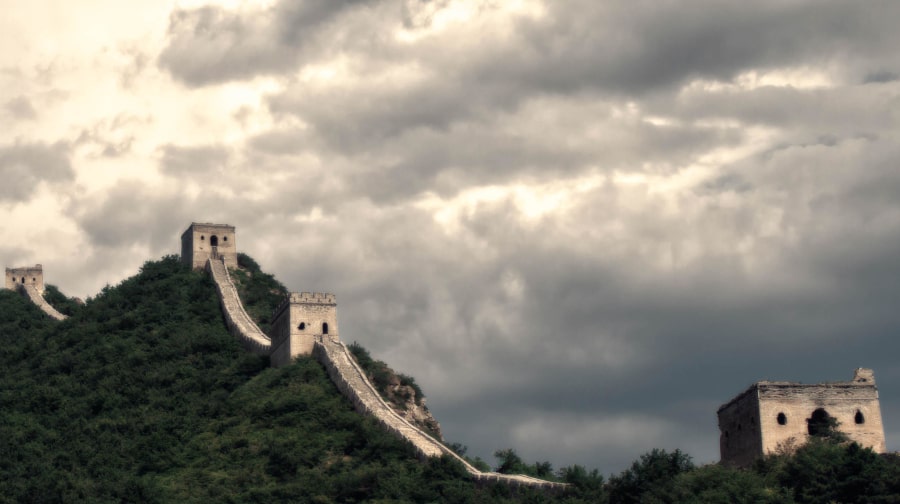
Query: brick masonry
{"points": [[203, 241], [771, 416]]}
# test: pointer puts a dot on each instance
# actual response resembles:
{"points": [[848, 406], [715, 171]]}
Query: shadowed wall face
{"points": [[25, 276], [774, 415], [204, 241]]}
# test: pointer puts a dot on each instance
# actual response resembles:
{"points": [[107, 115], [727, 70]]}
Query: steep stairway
{"points": [[35, 296], [351, 380], [239, 323]]}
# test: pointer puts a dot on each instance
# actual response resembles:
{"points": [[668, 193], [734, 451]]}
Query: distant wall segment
{"points": [[31, 292], [239, 323], [29, 275]]}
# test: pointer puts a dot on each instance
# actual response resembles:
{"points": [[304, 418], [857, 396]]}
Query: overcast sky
{"points": [[582, 226]]}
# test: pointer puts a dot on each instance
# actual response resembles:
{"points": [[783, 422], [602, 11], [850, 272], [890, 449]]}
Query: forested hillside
{"points": [[143, 396]]}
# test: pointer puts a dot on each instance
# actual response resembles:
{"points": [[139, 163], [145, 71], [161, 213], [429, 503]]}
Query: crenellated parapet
{"points": [[298, 321]]}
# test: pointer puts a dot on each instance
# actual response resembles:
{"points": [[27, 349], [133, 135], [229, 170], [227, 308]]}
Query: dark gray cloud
{"points": [[581, 231], [129, 217], [25, 166], [212, 44]]}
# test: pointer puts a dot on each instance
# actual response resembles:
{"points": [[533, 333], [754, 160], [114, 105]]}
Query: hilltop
{"points": [[142, 395]]}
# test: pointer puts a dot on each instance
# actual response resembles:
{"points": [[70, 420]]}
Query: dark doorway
{"points": [[214, 240], [324, 327], [821, 424]]}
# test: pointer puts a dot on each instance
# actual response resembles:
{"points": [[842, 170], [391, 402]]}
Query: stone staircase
{"points": [[239, 323], [35, 296], [351, 380]]}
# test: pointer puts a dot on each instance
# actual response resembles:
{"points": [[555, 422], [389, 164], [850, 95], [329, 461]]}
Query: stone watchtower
{"points": [[298, 322], [772, 414], [33, 275], [208, 241]]}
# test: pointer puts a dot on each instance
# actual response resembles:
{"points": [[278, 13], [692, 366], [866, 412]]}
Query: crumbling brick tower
{"points": [[204, 241], [296, 324], [33, 275], [772, 414]]}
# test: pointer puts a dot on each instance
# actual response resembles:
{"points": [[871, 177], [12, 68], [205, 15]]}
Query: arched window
{"points": [[23, 279], [202, 238], [820, 423], [324, 327], [224, 238], [302, 326], [859, 418], [214, 241], [782, 419]]}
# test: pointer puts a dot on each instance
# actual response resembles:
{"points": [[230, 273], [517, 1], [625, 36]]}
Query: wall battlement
{"points": [[298, 321]]}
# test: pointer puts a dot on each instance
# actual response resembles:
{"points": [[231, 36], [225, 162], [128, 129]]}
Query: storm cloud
{"points": [[582, 226]]}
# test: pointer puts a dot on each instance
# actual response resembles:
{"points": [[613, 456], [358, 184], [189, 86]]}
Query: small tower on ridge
{"points": [[202, 241], [31, 275], [298, 322]]}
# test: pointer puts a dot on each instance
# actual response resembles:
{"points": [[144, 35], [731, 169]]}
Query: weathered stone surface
{"points": [[239, 323], [32, 293], [29, 275], [770, 416], [203, 241], [298, 321], [352, 382]]}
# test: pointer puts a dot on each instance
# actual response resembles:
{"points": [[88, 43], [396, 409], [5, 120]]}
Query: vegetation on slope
{"points": [[59, 301], [260, 292], [143, 396]]}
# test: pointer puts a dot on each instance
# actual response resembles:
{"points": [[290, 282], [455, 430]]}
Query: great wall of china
{"points": [[213, 246]]}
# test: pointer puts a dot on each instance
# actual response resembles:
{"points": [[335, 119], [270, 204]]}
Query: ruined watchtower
{"points": [[32, 275], [770, 414], [202, 241], [298, 321]]}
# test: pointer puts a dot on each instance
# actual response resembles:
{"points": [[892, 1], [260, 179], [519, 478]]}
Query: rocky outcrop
{"points": [[239, 323], [31, 292]]}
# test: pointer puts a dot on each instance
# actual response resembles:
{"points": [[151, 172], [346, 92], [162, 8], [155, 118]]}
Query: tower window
{"points": [[224, 238], [202, 238], [324, 327], [820, 423], [859, 418], [302, 326], [214, 241], [782, 419]]}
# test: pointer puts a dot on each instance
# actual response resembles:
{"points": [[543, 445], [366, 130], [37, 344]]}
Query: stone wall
{"points": [[202, 241], [352, 382], [740, 441], [298, 321], [239, 323], [31, 292], [770, 415], [31, 275]]}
